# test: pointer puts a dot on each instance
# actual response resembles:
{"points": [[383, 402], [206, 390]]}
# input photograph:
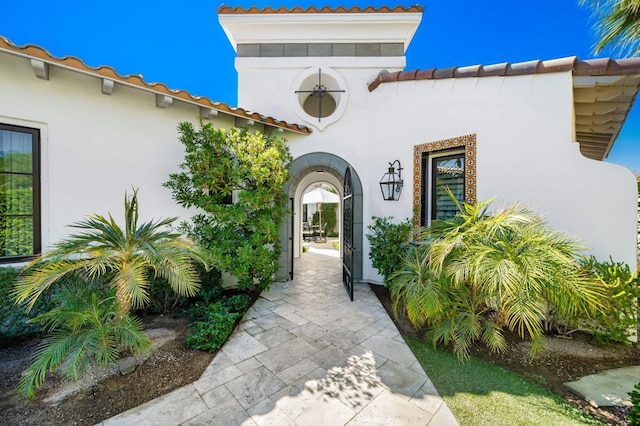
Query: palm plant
{"points": [[482, 272], [117, 257], [619, 24], [86, 324]]}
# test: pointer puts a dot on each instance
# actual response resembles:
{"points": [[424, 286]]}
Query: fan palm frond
{"points": [[87, 325], [122, 257]]}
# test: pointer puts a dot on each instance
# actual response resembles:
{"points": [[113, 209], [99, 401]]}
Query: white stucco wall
{"points": [[525, 151], [94, 146]]}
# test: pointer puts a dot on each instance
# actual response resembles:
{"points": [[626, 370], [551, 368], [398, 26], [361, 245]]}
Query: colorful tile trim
{"points": [[469, 144]]}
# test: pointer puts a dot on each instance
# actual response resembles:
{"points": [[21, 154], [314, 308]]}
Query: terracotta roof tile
{"points": [[471, 71], [425, 74], [591, 67], [493, 70], [71, 62], [444, 72], [238, 10], [407, 75]]}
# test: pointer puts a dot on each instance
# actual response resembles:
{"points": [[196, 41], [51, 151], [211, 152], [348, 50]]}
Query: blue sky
{"points": [[180, 43]]}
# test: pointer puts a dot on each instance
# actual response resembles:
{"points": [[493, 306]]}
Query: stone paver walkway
{"points": [[306, 355]]}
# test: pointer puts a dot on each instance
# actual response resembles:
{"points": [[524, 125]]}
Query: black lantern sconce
{"points": [[391, 183]]}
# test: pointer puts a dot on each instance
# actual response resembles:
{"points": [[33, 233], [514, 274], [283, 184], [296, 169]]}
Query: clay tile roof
{"points": [[591, 67], [70, 62], [238, 10]]}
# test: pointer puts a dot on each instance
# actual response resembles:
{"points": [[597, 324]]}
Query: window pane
{"points": [[15, 152], [16, 236], [19, 220], [449, 173], [16, 194]]}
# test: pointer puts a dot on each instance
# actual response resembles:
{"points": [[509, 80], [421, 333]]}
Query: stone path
{"points": [[608, 388], [305, 355]]}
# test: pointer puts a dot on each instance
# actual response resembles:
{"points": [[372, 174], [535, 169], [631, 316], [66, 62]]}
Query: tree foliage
{"points": [[618, 24], [118, 257], [478, 273], [242, 237]]}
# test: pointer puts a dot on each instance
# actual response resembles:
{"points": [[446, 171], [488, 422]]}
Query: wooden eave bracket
{"points": [[40, 69], [163, 101]]}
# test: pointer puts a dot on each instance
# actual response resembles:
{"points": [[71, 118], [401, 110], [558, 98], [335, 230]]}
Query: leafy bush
{"points": [[238, 303], [481, 272], [634, 414], [86, 324], [211, 326], [389, 244], [220, 166], [14, 319], [162, 298], [614, 323], [212, 322]]}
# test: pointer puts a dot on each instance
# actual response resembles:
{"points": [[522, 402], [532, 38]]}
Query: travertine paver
{"points": [[306, 355]]}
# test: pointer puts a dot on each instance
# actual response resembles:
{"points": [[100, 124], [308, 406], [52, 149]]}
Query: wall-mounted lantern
{"points": [[391, 183]]}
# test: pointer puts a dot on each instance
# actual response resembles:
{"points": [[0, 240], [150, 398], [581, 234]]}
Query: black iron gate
{"points": [[347, 235], [290, 242]]}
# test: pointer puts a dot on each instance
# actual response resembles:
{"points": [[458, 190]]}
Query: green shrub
{"points": [[389, 244], [14, 319], [634, 414], [162, 298], [238, 303], [619, 317], [211, 326]]}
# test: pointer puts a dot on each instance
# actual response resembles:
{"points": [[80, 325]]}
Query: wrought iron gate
{"points": [[347, 235], [290, 242]]}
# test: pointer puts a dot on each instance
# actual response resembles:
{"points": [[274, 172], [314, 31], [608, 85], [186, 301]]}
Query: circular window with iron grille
{"points": [[319, 97]]}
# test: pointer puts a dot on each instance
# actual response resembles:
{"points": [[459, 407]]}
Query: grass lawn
{"points": [[480, 393]]}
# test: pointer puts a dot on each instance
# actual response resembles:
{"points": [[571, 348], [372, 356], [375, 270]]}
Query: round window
{"points": [[319, 96]]}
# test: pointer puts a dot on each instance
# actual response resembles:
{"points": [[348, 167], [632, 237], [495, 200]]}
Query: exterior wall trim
{"points": [[470, 187]]}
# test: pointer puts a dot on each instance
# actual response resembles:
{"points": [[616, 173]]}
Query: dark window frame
{"points": [[428, 208], [36, 173]]}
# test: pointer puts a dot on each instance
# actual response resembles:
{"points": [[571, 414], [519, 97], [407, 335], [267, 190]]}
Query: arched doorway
{"points": [[305, 170]]}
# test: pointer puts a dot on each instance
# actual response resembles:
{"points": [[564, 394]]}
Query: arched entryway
{"points": [[305, 170]]}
